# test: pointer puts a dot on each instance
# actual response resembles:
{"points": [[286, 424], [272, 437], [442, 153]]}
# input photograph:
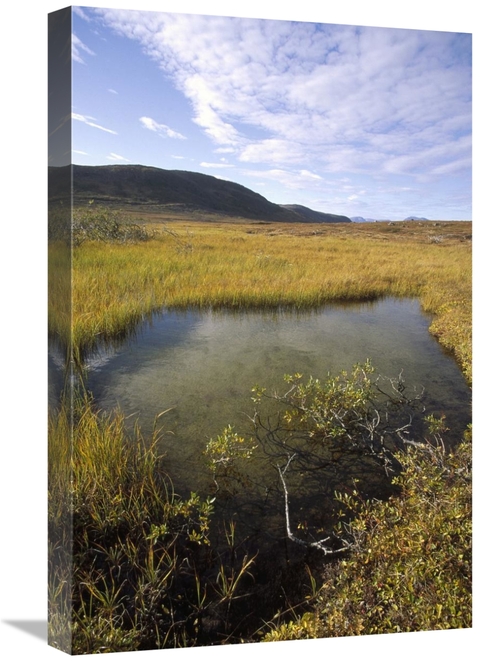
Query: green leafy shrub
{"points": [[226, 456], [325, 435], [409, 567]]}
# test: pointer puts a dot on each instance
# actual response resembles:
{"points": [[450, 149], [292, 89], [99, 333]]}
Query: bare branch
{"points": [[318, 545]]}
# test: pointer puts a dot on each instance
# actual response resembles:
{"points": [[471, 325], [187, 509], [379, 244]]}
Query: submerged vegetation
{"points": [[133, 565]]}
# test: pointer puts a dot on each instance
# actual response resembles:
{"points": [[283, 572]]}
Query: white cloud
{"points": [[89, 121], [164, 130], [438, 158], [117, 157], [216, 165], [459, 165], [112, 91], [301, 179], [273, 151], [322, 97], [79, 12], [309, 175], [77, 46]]}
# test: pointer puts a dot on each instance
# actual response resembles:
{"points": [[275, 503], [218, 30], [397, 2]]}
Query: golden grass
{"points": [[121, 506], [116, 531], [244, 265], [131, 563]]}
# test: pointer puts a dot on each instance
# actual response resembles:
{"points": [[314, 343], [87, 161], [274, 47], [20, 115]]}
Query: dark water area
{"points": [[202, 365]]}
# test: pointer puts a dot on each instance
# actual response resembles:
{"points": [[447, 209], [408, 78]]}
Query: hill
{"points": [[144, 186], [315, 216]]}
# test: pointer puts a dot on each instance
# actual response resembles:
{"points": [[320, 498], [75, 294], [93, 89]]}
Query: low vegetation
{"points": [[102, 224], [118, 285], [409, 566], [132, 565]]}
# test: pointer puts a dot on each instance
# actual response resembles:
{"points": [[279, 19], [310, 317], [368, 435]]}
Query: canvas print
{"points": [[259, 330]]}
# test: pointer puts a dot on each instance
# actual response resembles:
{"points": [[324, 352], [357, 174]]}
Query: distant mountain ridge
{"points": [[141, 185]]}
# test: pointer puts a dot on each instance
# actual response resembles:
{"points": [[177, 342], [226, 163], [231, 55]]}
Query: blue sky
{"points": [[361, 121]]}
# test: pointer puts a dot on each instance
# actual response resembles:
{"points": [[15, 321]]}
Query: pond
{"points": [[202, 365]]}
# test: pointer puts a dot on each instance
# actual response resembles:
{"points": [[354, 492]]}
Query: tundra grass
{"points": [[241, 266], [131, 565]]}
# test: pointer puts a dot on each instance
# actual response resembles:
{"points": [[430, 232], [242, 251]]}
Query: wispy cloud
{"points": [[279, 94], [216, 165], [90, 122], [117, 158], [79, 12], [77, 46], [164, 130], [299, 179], [305, 106]]}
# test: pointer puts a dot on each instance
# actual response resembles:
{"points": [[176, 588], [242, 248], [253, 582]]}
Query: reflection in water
{"points": [[201, 365]]}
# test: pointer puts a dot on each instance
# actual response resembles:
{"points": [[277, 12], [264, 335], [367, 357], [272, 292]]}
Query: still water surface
{"points": [[203, 364]]}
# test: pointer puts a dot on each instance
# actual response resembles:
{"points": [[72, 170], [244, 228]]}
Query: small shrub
{"points": [[410, 567], [226, 457], [98, 223]]}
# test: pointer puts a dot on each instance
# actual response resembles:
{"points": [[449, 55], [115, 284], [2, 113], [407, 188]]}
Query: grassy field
{"points": [[131, 565], [242, 265]]}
